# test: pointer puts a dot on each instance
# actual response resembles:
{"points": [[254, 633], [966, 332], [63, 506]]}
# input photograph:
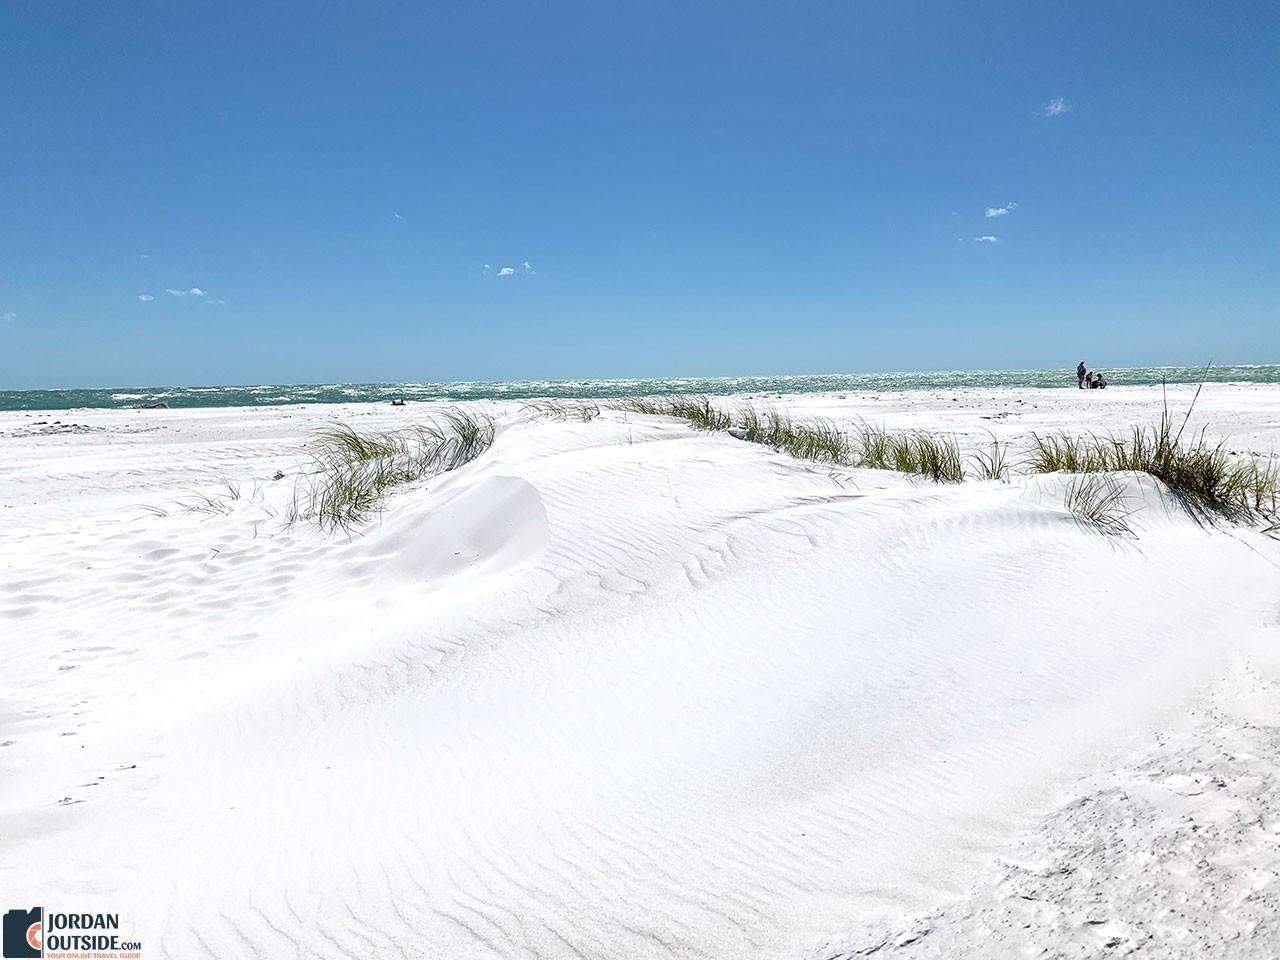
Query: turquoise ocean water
{"points": [[268, 394]]}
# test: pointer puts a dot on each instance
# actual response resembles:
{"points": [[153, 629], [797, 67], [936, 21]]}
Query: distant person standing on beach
{"points": [[1080, 375]]}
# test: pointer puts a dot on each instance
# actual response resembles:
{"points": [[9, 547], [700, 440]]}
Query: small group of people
{"points": [[1093, 379]]}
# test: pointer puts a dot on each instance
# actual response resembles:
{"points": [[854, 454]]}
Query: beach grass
{"points": [[1206, 477], [211, 504], [1057, 453], [934, 456], [1203, 475], [1099, 501], [821, 441], [552, 409], [354, 471], [992, 463], [698, 412]]}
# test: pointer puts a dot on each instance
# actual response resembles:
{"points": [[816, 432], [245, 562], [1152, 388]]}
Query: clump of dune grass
{"points": [[1203, 475], [1057, 452], [822, 441], [917, 452], [354, 471], [698, 412], [873, 447], [992, 463], [552, 409], [1099, 501], [345, 442], [934, 456], [1206, 477]]}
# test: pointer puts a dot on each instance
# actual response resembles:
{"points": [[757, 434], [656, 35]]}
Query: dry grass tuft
{"points": [[354, 471]]}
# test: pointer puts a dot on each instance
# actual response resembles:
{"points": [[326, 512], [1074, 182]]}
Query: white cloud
{"points": [[144, 256], [145, 297], [8, 317], [525, 268], [1056, 106], [397, 216], [986, 238], [211, 300], [1007, 209], [193, 292]]}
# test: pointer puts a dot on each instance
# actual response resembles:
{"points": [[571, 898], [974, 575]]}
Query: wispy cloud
{"points": [[8, 316], [1007, 209], [211, 300], [144, 256], [191, 292], [986, 238], [145, 297], [1056, 107], [525, 268], [396, 216]]}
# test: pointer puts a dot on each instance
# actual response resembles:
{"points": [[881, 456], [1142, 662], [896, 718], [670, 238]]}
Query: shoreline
{"points": [[254, 395]]}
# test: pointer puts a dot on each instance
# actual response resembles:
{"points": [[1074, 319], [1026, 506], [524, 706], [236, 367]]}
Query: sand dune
{"points": [[620, 689]]}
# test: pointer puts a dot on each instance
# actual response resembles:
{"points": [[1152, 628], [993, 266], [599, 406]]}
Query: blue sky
{"points": [[697, 189]]}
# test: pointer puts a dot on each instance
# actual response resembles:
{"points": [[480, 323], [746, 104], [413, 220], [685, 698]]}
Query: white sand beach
{"points": [[622, 689]]}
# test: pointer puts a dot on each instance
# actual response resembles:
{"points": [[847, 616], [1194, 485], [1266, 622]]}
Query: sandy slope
{"points": [[622, 690], [1172, 852]]}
